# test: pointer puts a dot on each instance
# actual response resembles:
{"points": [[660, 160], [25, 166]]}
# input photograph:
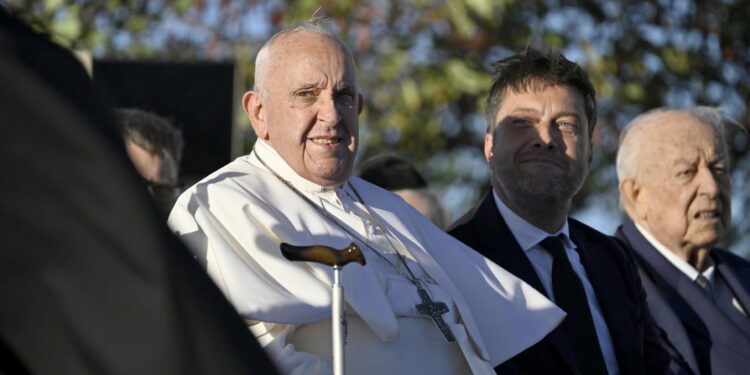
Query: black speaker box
{"points": [[197, 96]]}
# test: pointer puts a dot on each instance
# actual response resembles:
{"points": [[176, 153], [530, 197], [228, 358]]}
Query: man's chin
{"points": [[332, 178], [710, 238], [331, 171], [541, 170], [546, 186], [540, 193], [704, 237]]}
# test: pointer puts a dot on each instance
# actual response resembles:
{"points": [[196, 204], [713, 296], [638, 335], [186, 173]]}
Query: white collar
{"points": [[526, 234], [264, 151], [685, 267]]}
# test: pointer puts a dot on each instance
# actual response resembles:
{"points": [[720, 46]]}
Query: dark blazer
{"points": [[613, 275], [701, 338]]}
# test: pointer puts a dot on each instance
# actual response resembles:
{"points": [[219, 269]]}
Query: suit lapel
{"points": [[679, 291], [661, 299], [496, 242], [610, 293], [696, 311], [737, 280]]}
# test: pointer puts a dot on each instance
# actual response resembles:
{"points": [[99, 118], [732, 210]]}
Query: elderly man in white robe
{"points": [[296, 187]]}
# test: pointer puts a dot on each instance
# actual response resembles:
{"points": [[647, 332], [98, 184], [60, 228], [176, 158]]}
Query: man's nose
{"points": [[709, 185], [546, 136], [328, 112]]}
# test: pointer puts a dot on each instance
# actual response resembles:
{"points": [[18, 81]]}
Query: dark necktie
{"points": [[571, 297], [705, 285]]}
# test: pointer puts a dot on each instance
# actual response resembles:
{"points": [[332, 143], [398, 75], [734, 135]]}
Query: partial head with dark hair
{"points": [[155, 148], [150, 131], [391, 173], [534, 70], [396, 174], [541, 114]]}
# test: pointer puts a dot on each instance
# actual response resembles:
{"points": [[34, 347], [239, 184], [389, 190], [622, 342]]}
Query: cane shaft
{"points": [[338, 323], [336, 259]]}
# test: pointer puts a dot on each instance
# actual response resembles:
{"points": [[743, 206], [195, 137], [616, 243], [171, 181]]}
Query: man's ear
{"points": [[633, 200], [488, 147], [360, 103], [591, 152], [252, 103]]}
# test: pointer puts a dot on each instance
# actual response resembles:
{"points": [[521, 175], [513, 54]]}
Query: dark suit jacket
{"points": [[613, 276], [701, 338]]}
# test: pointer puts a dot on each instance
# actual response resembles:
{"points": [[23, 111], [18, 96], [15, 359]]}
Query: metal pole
{"points": [[338, 322], [336, 259]]}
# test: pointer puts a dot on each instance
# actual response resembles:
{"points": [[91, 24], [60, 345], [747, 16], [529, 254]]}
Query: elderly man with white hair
{"points": [[297, 187], [673, 171]]}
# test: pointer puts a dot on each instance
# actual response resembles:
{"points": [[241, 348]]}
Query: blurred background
{"points": [[424, 70]]}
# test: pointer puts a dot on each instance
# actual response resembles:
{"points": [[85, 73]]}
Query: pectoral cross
{"points": [[435, 309]]}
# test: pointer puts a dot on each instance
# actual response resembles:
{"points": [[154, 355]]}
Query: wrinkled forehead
{"points": [[544, 94], [674, 135], [309, 50]]}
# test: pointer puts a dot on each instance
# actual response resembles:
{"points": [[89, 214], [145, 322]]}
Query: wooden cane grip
{"points": [[323, 254]]}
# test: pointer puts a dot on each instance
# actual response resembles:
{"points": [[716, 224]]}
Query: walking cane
{"points": [[336, 259]]}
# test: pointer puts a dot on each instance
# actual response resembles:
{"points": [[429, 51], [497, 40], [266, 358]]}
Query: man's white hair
{"points": [[629, 151], [264, 65]]}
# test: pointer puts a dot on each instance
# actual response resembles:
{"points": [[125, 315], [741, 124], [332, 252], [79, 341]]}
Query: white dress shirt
{"points": [[528, 237], [722, 294]]}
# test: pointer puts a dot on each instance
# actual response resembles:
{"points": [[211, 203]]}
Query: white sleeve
{"points": [[274, 338]]}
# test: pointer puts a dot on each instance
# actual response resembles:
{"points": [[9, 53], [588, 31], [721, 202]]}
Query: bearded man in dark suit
{"points": [[673, 168], [541, 113]]}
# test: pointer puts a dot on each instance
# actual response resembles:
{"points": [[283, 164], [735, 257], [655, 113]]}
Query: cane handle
{"points": [[323, 254]]}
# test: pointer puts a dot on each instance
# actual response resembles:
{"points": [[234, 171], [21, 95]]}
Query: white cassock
{"points": [[235, 219]]}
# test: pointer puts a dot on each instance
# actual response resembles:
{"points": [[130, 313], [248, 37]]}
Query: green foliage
{"points": [[68, 28], [677, 60], [633, 91], [181, 6], [51, 5], [424, 64], [464, 78], [459, 14]]}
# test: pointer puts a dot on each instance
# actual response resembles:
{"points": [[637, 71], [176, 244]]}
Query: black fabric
{"points": [[9, 362], [571, 297], [700, 337], [612, 273], [391, 173], [91, 279]]}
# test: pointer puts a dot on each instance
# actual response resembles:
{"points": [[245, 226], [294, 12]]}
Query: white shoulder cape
{"points": [[235, 219]]}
